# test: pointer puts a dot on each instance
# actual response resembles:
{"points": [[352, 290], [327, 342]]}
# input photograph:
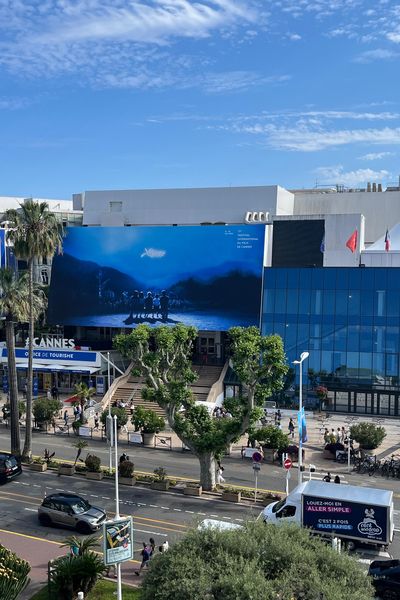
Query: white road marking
{"points": [[153, 532], [178, 509], [93, 496], [105, 498], [165, 507], [215, 516], [191, 512], [154, 506], [35, 510], [202, 514]]}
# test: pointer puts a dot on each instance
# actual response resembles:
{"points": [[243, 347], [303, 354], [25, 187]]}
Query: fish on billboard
{"points": [[206, 276]]}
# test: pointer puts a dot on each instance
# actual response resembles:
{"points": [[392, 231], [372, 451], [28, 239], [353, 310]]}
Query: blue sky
{"points": [[175, 93], [162, 255]]}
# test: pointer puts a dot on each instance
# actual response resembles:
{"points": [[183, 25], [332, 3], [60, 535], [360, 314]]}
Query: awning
{"points": [[58, 368]]}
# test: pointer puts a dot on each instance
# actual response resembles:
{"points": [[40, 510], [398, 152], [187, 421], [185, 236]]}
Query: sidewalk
{"points": [[39, 551]]}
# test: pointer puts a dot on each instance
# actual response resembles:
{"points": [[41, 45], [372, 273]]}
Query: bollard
{"points": [[80, 596]]}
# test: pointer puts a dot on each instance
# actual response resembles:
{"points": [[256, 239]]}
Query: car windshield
{"points": [[79, 506], [278, 505], [10, 462]]}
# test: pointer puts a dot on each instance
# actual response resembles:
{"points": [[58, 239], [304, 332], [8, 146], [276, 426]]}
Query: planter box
{"points": [[38, 467], [66, 469], [148, 439], [269, 454], [127, 480], [161, 486], [193, 491], [327, 455], [96, 476], [231, 496]]}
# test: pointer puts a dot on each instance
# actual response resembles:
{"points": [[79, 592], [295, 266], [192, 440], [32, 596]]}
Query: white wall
{"points": [[380, 209], [338, 229], [182, 206], [7, 202]]}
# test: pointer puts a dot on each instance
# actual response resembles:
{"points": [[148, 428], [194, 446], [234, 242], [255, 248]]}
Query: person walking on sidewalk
{"points": [[146, 554], [291, 428]]}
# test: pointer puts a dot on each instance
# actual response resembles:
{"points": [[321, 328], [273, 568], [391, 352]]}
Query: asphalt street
{"points": [[237, 472]]}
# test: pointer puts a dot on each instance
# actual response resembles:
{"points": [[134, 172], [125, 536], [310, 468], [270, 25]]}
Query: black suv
{"points": [[9, 467], [71, 510], [386, 578]]}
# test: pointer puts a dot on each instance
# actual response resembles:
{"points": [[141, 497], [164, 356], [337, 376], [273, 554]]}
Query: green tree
{"points": [[258, 561], [79, 445], [73, 574], [83, 394], [120, 413], [35, 233], [44, 409], [82, 544], [15, 305], [166, 364], [368, 435]]}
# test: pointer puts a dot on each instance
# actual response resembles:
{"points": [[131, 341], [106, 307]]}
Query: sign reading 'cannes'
{"points": [[206, 276]]}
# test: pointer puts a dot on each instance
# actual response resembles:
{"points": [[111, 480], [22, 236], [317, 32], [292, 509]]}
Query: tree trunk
{"points": [[27, 451], [207, 471], [13, 387]]}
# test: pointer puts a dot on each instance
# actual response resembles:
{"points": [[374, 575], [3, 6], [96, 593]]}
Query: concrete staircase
{"points": [[130, 391]]}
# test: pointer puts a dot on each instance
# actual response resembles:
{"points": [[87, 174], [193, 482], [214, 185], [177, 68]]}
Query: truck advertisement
{"points": [[345, 518]]}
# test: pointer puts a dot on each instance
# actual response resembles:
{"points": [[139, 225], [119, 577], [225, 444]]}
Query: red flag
{"points": [[352, 241], [387, 240]]}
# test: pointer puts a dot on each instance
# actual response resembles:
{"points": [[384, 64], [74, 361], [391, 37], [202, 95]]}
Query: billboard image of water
{"points": [[206, 276]]}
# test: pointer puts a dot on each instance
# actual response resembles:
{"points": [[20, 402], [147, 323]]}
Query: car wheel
{"points": [[83, 527], [45, 520]]}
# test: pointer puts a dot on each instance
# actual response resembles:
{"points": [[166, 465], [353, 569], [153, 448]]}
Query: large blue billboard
{"points": [[206, 276]]}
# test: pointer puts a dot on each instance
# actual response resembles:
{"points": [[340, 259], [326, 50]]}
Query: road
{"points": [[183, 464], [161, 515]]}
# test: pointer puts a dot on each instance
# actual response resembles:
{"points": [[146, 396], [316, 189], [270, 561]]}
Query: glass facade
{"points": [[348, 319]]}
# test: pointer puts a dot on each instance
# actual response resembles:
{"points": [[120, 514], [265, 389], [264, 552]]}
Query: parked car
{"points": [[70, 510], [221, 525], [386, 578], [10, 467]]}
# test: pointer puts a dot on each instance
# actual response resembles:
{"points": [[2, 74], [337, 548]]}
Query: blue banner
{"points": [[302, 424], [55, 355], [35, 386], [5, 383], [345, 517]]}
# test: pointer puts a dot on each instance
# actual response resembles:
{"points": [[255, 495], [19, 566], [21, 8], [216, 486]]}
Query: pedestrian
{"points": [[152, 546], [164, 547], [145, 553], [337, 479], [338, 434], [48, 394], [123, 458], [327, 478], [291, 428], [96, 421], [220, 472], [279, 424], [326, 436], [344, 435], [65, 417]]}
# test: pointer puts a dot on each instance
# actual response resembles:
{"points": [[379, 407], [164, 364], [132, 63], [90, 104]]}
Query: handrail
{"points": [[218, 387], [115, 384]]}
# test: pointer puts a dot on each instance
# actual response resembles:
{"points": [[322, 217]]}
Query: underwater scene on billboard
{"points": [[206, 276]]}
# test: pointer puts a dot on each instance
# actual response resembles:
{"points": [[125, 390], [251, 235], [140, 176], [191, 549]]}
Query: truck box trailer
{"points": [[358, 515]]}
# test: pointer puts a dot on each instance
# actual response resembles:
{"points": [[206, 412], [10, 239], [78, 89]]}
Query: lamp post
{"points": [[303, 357]]}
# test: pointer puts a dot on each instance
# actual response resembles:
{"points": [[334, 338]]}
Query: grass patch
{"points": [[102, 591]]}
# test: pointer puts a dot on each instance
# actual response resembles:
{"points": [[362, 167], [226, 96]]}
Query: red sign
{"points": [[287, 464]]}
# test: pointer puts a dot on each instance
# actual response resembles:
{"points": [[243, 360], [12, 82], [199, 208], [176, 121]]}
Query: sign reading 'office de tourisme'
{"points": [[52, 356]]}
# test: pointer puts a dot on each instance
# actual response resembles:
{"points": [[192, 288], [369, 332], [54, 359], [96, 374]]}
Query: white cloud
{"points": [[336, 175], [377, 54], [294, 37], [153, 253], [375, 155], [393, 37]]}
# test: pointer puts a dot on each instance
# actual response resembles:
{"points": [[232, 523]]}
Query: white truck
{"points": [[357, 515]]}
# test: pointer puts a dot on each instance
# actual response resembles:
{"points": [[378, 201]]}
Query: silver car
{"points": [[70, 510]]}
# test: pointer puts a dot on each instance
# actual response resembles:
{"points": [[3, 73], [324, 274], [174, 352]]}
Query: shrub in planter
{"points": [[21, 409], [93, 465], [331, 449], [193, 488], [147, 420], [66, 469], [38, 464], [230, 494], [120, 413], [44, 410], [126, 473], [368, 435], [160, 480], [271, 437]]}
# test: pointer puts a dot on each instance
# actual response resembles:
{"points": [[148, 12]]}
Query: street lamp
{"points": [[303, 357]]}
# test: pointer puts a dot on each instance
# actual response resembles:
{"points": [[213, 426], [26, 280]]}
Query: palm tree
{"points": [[83, 544], [15, 304], [35, 233], [83, 394]]}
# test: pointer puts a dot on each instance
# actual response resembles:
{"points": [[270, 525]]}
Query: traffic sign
{"points": [[287, 464], [257, 457]]}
